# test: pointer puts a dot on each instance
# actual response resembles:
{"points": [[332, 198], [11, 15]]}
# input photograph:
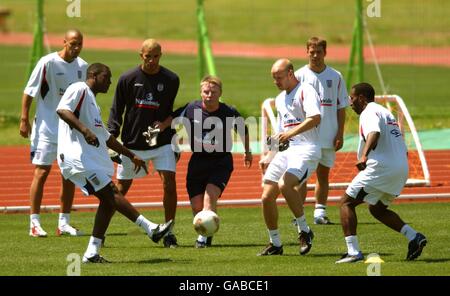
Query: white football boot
{"points": [[37, 231], [66, 229]]}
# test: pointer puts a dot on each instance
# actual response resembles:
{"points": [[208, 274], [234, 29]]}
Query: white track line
{"points": [[220, 202]]}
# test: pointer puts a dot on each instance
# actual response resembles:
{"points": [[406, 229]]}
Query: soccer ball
{"points": [[206, 223]]}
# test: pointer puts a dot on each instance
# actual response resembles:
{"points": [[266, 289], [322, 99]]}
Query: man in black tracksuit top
{"points": [[146, 94], [209, 125]]}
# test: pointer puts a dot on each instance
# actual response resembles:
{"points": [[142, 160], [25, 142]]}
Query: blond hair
{"points": [[213, 80], [150, 44]]}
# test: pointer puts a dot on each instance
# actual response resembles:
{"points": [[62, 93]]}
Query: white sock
{"points": [[352, 245], [302, 225], [35, 220], [275, 237], [320, 211], [201, 239], [64, 219], [408, 231], [93, 247], [145, 224]]}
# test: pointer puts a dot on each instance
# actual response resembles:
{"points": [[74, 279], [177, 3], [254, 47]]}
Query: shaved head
{"points": [[71, 33], [95, 69], [98, 78], [73, 44]]}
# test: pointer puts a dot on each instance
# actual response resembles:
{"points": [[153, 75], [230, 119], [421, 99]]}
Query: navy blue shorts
{"points": [[204, 170]]}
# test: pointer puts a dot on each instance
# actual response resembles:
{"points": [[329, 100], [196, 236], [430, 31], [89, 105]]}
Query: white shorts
{"points": [[328, 157], [294, 161], [380, 182], [368, 194], [43, 153], [163, 159], [90, 182]]}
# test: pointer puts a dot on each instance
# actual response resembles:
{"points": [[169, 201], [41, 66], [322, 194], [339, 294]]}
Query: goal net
{"points": [[344, 169]]}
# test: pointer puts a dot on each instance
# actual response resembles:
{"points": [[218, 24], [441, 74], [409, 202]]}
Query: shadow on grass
{"points": [[108, 234], [147, 261], [262, 245], [117, 234], [434, 260], [340, 255], [331, 255]]}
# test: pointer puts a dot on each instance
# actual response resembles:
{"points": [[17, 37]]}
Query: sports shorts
{"points": [[378, 182], [295, 161], [43, 153], [90, 182], [328, 157], [204, 170], [163, 159], [368, 194]]}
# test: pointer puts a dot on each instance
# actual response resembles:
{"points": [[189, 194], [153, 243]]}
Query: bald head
{"points": [[73, 33], [73, 44], [282, 65], [283, 75]]}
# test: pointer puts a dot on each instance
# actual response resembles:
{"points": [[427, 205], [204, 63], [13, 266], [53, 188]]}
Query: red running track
{"points": [[16, 174]]}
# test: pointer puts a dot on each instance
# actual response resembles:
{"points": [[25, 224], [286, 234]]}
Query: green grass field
{"points": [[241, 236], [413, 22], [247, 82]]}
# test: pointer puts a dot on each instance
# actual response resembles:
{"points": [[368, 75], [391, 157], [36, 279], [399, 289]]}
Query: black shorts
{"points": [[204, 170]]}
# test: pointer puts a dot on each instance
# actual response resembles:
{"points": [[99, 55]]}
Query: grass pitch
{"points": [[241, 236]]}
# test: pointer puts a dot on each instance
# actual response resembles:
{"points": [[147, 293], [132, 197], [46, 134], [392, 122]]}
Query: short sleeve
{"points": [[311, 100], [370, 122], [71, 98], [37, 77]]}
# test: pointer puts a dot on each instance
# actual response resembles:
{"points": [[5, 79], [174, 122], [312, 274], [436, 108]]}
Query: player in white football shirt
{"points": [[383, 165], [83, 158], [47, 83], [298, 108], [330, 86]]}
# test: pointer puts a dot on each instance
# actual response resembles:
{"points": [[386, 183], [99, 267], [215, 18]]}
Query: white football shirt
{"points": [[47, 83], [293, 109], [330, 86], [387, 164], [75, 155]]}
